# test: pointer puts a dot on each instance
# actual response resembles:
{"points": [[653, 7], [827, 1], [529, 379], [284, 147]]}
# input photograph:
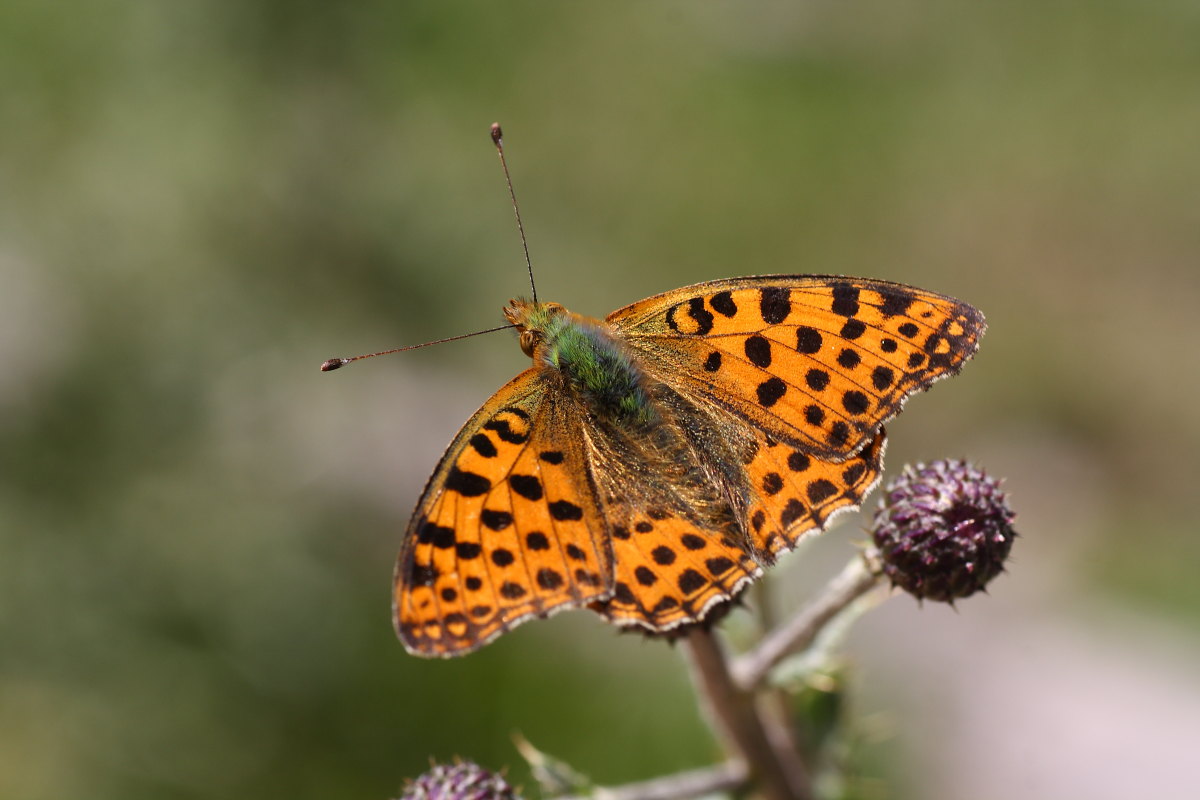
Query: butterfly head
{"points": [[531, 320]]}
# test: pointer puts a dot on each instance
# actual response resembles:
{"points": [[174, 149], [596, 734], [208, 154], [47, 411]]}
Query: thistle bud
{"points": [[943, 530], [461, 781]]}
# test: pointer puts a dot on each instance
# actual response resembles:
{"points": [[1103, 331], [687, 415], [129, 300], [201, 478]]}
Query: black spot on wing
{"points": [[853, 329], [505, 431], [691, 581], [494, 519], [701, 315], [845, 299], [701, 318], [722, 303], [770, 391], [512, 591], [468, 484], [775, 304], [663, 555], [528, 486], [814, 414], [483, 445], [422, 574], [798, 462], [719, 565], [895, 301], [758, 351], [852, 473], [549, 579], [821, 489], [808, 340], [565, 511], [839, 433], [587, 577], [793, 511], [855, 402]]}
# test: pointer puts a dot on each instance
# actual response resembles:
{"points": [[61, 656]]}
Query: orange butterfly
{"points": [[649, 466]]}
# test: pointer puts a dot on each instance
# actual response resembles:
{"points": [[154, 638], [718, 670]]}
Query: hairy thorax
{"points": [[590, 360]]}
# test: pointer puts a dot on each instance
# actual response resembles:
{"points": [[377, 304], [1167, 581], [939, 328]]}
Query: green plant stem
{"points": [[775, 705], [860, 576], [778, 774], [723, 778]]}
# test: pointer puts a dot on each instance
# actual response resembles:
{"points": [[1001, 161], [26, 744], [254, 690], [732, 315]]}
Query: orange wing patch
{"points": [[819, 362], [504, 532], [670, 572], [797, 492]]}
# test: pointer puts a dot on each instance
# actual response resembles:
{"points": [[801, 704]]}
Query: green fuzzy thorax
{"points": [[592, 361]]}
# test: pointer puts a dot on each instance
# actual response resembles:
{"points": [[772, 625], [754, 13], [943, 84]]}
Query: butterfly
{"points": [[648, 466]]}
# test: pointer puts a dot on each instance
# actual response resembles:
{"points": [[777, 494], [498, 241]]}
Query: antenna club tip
{"points": [[497, 133], [334, 363]]}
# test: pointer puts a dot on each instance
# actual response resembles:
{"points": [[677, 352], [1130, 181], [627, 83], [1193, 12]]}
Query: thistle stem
{"points": [[856, 579], [737, 720], [725, 777], [775, 705]]}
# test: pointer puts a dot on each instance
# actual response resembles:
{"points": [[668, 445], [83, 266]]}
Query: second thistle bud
{"points": [[943, 530], [460, 781]]}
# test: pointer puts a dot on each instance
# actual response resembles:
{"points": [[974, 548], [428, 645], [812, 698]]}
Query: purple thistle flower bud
{"points": [[461, 781], [943, 530]]}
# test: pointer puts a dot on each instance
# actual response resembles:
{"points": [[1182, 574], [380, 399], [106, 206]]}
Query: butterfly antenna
{"points": [[338, 363], [498, 138]]}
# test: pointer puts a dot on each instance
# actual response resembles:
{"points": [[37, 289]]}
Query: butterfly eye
{"points": [[528, 342]]}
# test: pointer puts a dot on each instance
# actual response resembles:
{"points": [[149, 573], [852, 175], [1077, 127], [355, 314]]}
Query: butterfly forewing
{"points": [[819, 362], [507, 528]]}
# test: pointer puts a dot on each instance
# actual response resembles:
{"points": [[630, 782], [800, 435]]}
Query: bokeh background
{"points": [[201, 201]]}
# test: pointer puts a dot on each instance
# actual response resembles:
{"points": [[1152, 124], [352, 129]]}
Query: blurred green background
{"points": [[201, 201]]}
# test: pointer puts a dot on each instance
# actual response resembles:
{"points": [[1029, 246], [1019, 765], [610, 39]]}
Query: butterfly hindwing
{"points": [[671, 567], [669, 571], [819, 362], [507, 529], [796, 492]]}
